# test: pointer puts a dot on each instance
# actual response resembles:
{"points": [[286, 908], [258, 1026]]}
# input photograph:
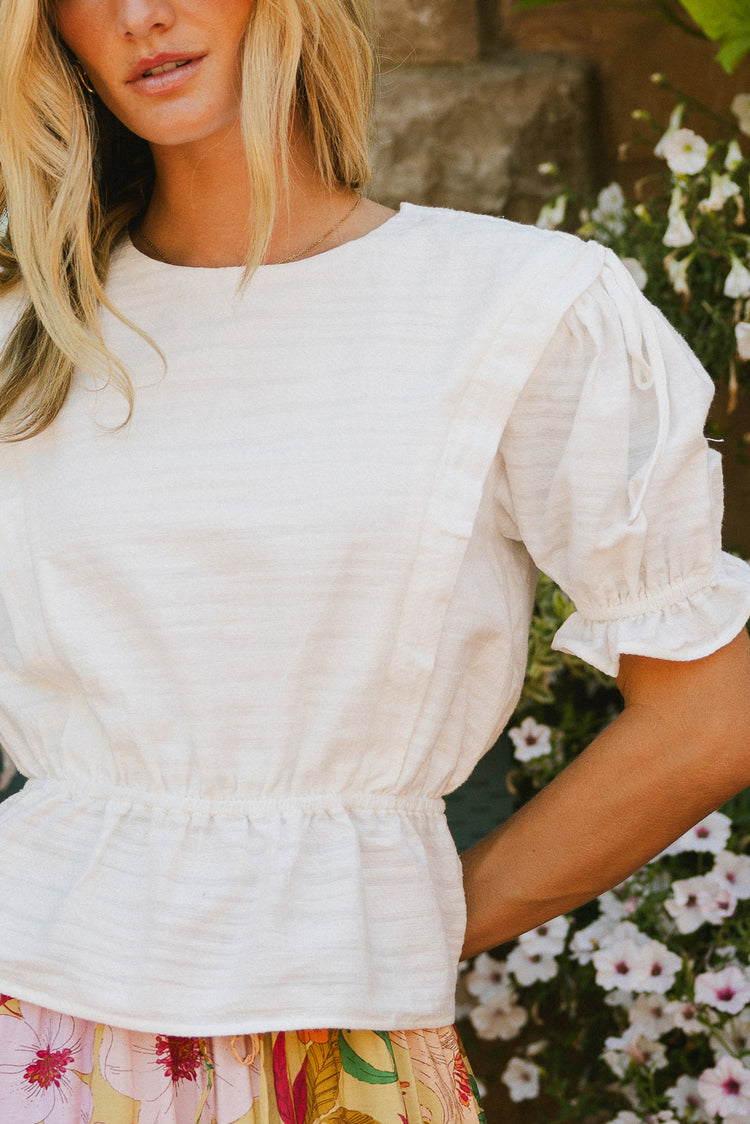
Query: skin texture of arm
{"points": [[680, 749]]}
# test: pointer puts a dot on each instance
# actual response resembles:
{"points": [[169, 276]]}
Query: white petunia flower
{"points": [[652, 1015], [711, 834], [684, 905], [723, 188], [636, 271], [499, 1017], [487, 978], [522, 1078], [677, 271], [530, 740], [609, 211], [684, 1017], [741, 109], [737, 283], [734, 156], [734, 1037], [585, 942], [626, 1117], [552, 214], [636, 1047], [717, 901], [684, 1097], [742, 335], [720, 902], [726, 1089], [619, 998], [618, 965], [730, 869], [656, 968], [727, 990], [611, 906], [627, 931], [529, 966], [678, 232], [685, 152], [548, 938], [699, 899], [675, 122]]}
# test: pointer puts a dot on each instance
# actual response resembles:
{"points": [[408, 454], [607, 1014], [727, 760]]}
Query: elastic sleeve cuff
{"points": [[689, 629]]}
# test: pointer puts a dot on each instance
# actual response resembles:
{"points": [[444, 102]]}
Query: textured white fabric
{"points": [[248, 641]]}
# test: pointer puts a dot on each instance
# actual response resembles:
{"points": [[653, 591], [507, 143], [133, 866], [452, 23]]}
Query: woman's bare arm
{"points": [[680, 748]]}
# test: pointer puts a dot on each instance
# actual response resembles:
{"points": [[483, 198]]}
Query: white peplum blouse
{"points": [[251, 639]]}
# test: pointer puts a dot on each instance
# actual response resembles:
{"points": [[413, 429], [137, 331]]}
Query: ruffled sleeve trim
{"points": [[684, 622]]}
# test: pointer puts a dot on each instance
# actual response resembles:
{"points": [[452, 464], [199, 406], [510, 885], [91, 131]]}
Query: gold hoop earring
{"points": [[83, 77]]}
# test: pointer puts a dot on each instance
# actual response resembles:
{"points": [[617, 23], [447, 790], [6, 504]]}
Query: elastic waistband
{"points": [[252, 807]]}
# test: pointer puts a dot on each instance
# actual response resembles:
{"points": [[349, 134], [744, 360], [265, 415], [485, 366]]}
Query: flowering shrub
{"points": [[634, 1009], [686, 238]]}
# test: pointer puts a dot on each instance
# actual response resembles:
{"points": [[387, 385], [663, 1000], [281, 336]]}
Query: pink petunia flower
{"points": [[727, 990], [726, 1089], [42, 1058]]}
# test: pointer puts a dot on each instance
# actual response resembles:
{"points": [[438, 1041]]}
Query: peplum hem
{"points": [[685, 623], [299, 911]]}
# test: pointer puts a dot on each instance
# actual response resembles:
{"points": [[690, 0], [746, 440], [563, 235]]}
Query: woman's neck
{"points": [[201, 207]]}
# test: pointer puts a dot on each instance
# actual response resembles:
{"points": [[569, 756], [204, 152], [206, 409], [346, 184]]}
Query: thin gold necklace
{"points": [[285, 261]]}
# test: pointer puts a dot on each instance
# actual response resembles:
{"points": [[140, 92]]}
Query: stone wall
{"points": [[556, 83], [458, 128]]}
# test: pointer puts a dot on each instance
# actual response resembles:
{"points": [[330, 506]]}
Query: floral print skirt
{"points": [[55, 1069]]}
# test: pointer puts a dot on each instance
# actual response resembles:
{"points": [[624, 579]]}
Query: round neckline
{"points": [[302, 263]]}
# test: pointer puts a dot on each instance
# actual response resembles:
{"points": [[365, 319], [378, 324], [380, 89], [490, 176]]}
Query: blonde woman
{"points": [[278, 468]]}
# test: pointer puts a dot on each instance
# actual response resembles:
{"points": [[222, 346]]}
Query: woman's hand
{"points": [[680, 749]]}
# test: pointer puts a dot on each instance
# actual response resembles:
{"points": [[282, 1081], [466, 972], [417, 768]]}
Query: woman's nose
{"points": [[136, 19]]}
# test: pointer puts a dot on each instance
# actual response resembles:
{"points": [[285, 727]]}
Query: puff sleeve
{"points": [[605, 476]]}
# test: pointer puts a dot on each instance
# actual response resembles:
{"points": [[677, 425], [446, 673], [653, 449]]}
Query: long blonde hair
{"points": [[72, 177]]}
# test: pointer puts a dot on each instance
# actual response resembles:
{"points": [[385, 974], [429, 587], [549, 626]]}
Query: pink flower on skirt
{"points": [[42, 1056], [169, 1075]]}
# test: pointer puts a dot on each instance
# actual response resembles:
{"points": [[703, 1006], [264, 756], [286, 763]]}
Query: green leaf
{"points": [[357, 1067], [727, 22], [732, 53]]}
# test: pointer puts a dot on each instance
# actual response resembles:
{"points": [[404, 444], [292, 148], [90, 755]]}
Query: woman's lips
{"points": [[170, 75]]}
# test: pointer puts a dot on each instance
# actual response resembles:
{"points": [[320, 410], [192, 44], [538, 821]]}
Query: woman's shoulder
{"points": [[494, 268], [479, 237]]}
